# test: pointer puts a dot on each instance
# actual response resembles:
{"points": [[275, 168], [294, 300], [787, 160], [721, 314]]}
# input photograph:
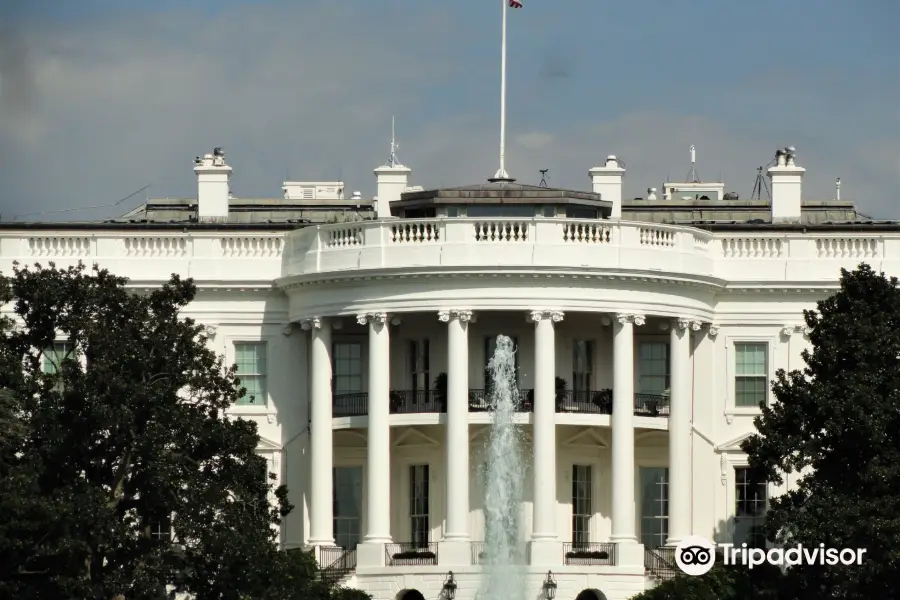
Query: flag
{"points": [[515, 3]]}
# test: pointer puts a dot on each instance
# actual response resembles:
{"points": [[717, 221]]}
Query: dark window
{"points": [[501, 210], [452, 211], [420, 213], [347, 506], [419, 365], [549, 211], [582, 369], [418, 505], [750, 509], [580, 212], [582, 505]]}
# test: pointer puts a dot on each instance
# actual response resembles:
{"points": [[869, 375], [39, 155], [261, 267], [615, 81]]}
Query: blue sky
{"points": [[99, 98]]}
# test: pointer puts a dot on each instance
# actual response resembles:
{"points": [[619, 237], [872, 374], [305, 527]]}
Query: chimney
{"points": [[212, 186], [392, 180], [787, 181], [607, 181]]}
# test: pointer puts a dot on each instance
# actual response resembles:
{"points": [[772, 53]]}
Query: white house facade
{"points": [[647, 332]]}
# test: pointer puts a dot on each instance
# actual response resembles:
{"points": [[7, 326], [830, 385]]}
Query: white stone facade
{"points": [[350, 325]]}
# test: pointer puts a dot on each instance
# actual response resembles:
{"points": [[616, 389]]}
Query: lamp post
{"points": [[549, 587], [450, 587]]}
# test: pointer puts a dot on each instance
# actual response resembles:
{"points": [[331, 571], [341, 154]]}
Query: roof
{"points": [[748, 212], [254, 211], [500, 192]]}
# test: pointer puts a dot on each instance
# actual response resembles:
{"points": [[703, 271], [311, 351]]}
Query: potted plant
{"points": [[561, 388], [603, 400], [395, 400]]}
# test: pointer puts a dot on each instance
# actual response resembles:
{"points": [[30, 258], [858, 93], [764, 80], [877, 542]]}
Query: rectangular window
{"points": [[548, 211], [419, 368], [582, 369], [347, 506], [347, 368], [250, 358], [582, 505], [653, 367], [418, 505], [452, 211], [54, 355], [524, 211], [581, 212], [749, 510], [654, 506], [751, 373], [490, 346]]}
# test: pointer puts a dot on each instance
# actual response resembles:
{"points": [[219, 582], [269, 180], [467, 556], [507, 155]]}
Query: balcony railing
{"points": [[585, 553], [596, 402], [660, 562], [411, 555], [417, 401], [339, 563], [477, 549], [651, 405], [480, 401], [350, 405]]}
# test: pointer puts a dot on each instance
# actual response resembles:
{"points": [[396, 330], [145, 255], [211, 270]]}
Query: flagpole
{"points": [[501, 174]]}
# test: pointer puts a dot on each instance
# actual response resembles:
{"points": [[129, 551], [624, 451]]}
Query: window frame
{"points": [[362, 503], [591, 349], [731, 407], [362, 365], [639, 364], [588, 529], [255, 409], [265, 375], [733, 464], [411, 515], [639, 496]]}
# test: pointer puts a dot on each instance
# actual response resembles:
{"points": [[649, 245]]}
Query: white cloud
{"points": [[100, 110]]}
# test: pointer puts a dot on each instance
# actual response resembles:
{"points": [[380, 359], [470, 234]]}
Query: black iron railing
{"points": [[417, 401], [651, 405], [480, 400], [590, 553], [660, 562], [350, 405], [477, 553], [409, 554], [598, 402], [340, 564]]}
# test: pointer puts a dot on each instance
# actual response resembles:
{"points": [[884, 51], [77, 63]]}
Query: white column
{"points": [[457, 443], [544, 426], [680, 430], [378, 459], [321, 449], [623, 484]]}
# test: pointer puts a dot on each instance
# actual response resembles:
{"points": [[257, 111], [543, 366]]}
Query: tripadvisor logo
{"points": [[696, 555]]}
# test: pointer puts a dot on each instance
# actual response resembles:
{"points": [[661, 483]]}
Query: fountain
{"points": [[503, 559]]}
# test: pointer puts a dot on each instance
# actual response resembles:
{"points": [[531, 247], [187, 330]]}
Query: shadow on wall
{"points": [[410, 595]]}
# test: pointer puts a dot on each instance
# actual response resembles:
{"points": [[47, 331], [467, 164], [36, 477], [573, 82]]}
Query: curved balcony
{"points": [[598, 402]]}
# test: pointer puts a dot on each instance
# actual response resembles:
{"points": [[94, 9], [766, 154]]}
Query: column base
{"points": [[545, 553], [370, 554], [455, 553], [629, 554]]}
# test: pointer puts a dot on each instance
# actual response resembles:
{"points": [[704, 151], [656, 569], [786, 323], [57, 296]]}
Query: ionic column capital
{"points": [[789, 330], [624, 318], [554, 316], [313, 323], [712, 329], [683, 323], [463, 316], [378, 318]]}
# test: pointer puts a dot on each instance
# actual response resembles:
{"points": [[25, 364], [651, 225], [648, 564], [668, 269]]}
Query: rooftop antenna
{"points": [[759, 185], [837, 189], [501, 175], [392, 161], [544, 178], [692, 175]]}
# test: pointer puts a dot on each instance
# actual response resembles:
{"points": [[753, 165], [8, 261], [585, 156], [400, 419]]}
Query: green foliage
{"points": [[129, 431], [721, 583], [838, 422]]}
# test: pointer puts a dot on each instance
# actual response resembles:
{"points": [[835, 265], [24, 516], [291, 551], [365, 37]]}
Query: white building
{"points": [[665, 319]]}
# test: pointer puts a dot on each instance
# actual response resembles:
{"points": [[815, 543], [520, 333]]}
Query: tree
{"points": [[119, 435], [722, 582], [836, 424]]}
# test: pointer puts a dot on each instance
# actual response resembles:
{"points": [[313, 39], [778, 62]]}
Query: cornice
{"points": [[316, 279]]}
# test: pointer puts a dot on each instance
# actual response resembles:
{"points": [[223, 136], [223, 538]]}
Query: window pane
{"points": [[250, 358], [653, 367], [654, 506], [347, 506], [347, 367], [750, 358], [419, 504], [749, 391], [54, 356]]}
